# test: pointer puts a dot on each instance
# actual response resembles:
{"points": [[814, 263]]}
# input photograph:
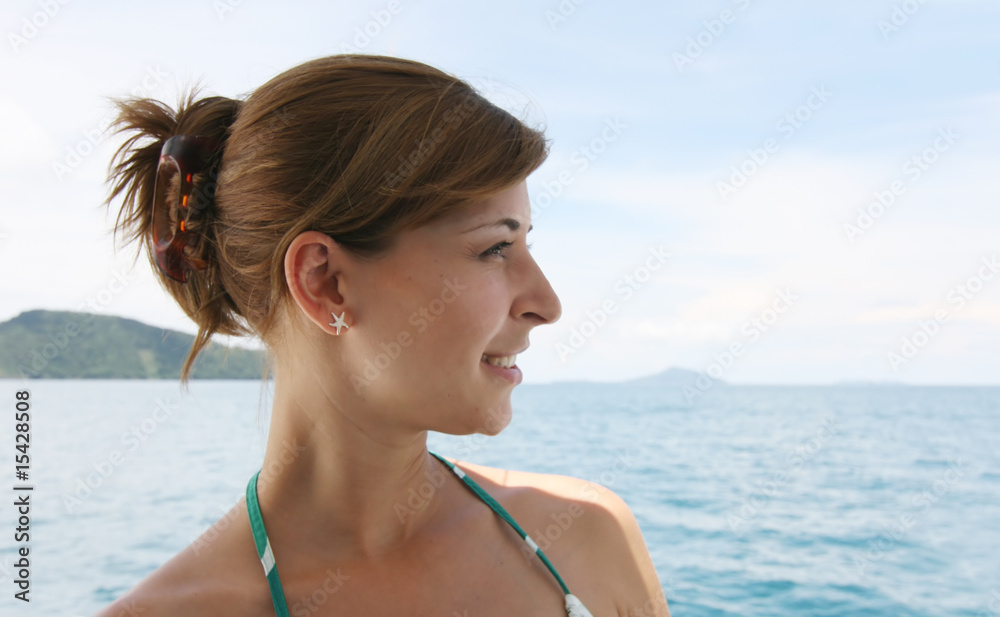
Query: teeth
{"points": [[502, 361]]}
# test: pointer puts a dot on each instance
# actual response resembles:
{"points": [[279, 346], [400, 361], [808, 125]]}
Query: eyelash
{"points": [[502, 246]]}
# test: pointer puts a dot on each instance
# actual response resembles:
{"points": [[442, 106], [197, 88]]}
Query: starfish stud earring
{"points": [[339, 322]]}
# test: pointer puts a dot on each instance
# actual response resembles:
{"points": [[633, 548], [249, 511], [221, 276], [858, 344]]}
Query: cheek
{"points": [[448, 317], [440, 330], [471, 321]]}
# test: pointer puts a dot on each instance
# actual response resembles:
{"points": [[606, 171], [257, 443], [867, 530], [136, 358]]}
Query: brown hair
{"points": [[358, 147]]}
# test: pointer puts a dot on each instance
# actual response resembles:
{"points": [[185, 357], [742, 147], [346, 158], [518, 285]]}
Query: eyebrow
{"points": [[511, 224]]}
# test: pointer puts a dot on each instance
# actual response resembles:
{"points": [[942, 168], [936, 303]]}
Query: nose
{"points": [[539, 299]]}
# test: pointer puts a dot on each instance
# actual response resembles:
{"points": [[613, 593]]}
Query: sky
{"points": [[772, 192]]}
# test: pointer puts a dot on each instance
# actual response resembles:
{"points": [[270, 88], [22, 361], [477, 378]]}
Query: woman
{"points": [[366, 217]]}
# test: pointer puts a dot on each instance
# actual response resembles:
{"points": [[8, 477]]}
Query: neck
{"points": [[333, 485]]}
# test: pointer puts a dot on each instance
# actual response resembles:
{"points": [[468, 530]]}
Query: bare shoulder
{"points": [[208, 577], [588, 532], [541, 489]]}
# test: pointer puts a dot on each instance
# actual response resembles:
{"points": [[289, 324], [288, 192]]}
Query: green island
{"points": [[41, 344]]}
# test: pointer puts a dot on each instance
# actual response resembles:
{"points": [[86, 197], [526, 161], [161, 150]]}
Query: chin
{"points": [[494, 420], [489, 421]]}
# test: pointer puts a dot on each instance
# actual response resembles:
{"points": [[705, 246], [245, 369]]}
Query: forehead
{"points": [[509, 209]]}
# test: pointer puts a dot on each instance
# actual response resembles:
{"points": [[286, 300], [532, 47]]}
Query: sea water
{"points": [[753, 500]]}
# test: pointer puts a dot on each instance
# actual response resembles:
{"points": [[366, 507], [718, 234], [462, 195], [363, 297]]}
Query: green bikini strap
{"points": [[505, 516], [264, 549]]}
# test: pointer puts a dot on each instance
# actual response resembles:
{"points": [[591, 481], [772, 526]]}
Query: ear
{"points": [[313, 268]]}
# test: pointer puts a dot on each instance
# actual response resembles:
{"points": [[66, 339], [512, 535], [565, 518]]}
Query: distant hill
{"points": [[868, 383], [71, 345], [672, 377]]}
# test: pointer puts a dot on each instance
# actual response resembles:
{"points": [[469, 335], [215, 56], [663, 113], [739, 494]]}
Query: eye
{"points": [[499, 249]]}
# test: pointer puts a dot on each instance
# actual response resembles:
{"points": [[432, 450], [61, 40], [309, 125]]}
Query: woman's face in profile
{"points": [[450, 292]]}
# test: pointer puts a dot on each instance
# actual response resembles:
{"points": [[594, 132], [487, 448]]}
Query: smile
{"points": [[501, 361]]}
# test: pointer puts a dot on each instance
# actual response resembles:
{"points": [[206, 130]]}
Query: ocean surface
{"points": [[753, 500]]}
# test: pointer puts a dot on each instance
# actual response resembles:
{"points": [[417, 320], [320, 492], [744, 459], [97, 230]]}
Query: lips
{"points": [[503, 367], [503, 359]]}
